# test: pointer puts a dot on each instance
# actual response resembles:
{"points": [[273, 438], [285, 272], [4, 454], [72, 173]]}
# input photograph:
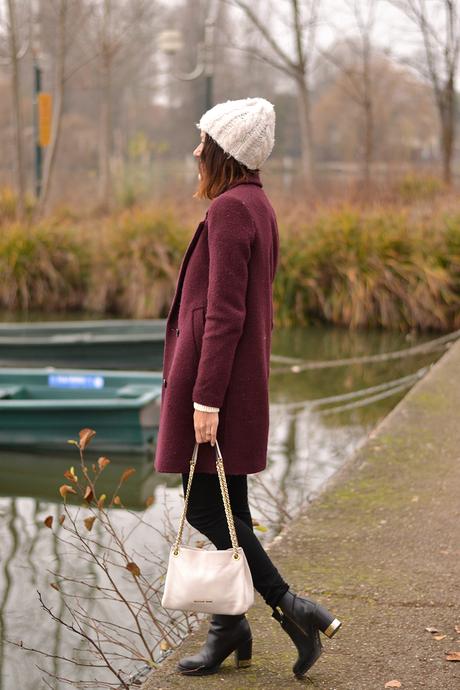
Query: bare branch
{"points": [[262, 28]]}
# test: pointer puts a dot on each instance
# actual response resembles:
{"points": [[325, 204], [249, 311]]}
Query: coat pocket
{"points": [[198, 321]]}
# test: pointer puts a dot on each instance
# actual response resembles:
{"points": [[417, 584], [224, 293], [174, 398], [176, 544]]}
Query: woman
{"points": [[216, 366]]}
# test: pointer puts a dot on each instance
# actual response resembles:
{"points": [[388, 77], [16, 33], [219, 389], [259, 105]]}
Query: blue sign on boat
{"points": [[76, 381]]}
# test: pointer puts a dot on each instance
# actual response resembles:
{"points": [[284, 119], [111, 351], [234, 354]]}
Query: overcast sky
{"points": [[392, 28], [336, 12]]}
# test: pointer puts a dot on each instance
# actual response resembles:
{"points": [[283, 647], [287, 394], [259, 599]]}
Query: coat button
{"points": [[177, 332], [165, 383]]}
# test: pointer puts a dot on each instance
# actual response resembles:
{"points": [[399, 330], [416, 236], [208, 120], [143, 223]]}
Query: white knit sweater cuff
{"points": [[205, 408]]}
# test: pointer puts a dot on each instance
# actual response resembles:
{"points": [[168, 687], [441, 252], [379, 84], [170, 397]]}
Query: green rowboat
{"points": [[41, 409], [111, 344]]}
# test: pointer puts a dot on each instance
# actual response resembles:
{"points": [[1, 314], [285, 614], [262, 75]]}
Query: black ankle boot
{"points": [[226, 634], [302, 619]]}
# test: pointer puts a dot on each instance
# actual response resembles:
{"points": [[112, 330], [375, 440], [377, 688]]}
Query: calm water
{"points": [[307, 444]]}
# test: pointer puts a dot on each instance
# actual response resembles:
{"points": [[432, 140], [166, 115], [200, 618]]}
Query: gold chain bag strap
{"points": [[210, 581]]}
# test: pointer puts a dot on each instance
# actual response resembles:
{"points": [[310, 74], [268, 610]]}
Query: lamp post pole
{"points": [[209, 62], [38, 148], [37, 87], [171, 43]]}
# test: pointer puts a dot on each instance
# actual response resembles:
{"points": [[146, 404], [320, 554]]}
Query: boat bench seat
{"points": [[133, 390], [7, 392]]}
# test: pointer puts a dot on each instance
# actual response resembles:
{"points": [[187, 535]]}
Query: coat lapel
{"points": [[188, 252]]}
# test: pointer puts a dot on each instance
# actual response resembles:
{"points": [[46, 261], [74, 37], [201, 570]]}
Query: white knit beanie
{"points": [[245, 129]]}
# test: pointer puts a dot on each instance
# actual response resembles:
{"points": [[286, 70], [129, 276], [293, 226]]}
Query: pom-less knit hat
{"points": [[245, 129]]}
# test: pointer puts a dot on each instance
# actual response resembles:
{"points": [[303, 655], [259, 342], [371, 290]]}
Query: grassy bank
{"points": [[395, 265], [384, 267]]}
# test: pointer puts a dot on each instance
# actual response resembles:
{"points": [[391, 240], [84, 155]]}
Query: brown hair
{"points": [[218, 170]]}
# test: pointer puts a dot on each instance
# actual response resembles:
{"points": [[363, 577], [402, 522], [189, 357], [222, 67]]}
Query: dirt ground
{"points": [[380, 547]]}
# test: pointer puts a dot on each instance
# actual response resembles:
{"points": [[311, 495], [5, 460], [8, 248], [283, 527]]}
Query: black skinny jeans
{"points": [[207, 514]]}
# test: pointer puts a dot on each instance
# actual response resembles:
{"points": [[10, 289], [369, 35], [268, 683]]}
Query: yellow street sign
{"points": [[45, 115]]}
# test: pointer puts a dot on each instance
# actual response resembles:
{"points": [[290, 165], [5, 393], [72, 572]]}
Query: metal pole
{"points": [[209, 56], [38, 148], [209, 91]]}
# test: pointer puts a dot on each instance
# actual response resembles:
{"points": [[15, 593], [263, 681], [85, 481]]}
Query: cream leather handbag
{"points": [[210, 581]]}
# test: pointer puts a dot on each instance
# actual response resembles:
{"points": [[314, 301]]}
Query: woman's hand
{"points": [[205, 424]]}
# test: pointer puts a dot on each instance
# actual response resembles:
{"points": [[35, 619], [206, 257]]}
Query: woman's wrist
{"points": [[205, 408]]}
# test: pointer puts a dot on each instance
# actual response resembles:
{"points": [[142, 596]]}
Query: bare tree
{"points": [[117, 28], [15, 53], [439, 28], [108, 50], [357, 67], [62, 20], [296, 64], [403, 112]]}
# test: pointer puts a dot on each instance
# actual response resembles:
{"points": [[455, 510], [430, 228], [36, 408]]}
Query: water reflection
{"points": [[305, 448]]}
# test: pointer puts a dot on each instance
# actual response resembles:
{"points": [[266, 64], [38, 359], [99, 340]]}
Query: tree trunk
{"points": [[105, 122], [447, 118], [105, 186], [306, 133], [17, 110], [368, 141]]}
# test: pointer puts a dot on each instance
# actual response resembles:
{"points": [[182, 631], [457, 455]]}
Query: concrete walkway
{"points": [[381, 548]]}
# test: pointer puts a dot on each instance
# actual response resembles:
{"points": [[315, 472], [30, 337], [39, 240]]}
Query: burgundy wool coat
{"points": [[218, 335]]}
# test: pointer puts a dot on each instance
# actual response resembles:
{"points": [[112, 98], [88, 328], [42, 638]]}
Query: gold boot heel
{"points": [[326, 621], [332, 628]]}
